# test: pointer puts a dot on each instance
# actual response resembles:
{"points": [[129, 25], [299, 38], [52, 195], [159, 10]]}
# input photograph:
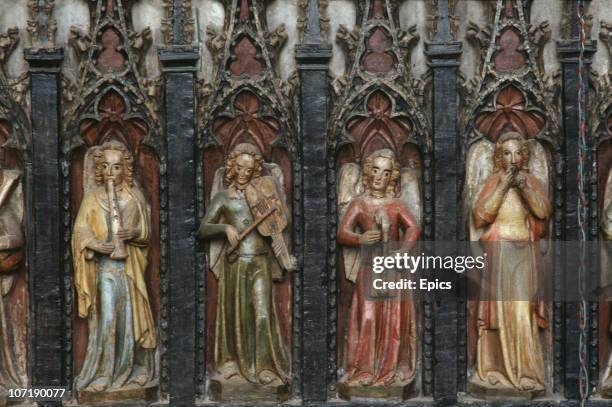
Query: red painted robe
{"points": [[382, 334]]}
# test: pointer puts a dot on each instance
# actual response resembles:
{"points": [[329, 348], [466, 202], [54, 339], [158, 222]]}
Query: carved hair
{"points": [[395, 171], [500, 143], [128, 161], [230, 166]]}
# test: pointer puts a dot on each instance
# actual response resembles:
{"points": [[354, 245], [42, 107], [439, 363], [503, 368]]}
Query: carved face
{"points": [[112, 166], [245, 166], [382, 169], [512, 154]]}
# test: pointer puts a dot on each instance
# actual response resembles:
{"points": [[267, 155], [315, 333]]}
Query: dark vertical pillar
{"points": [[313, 57], [179, 66], [444, 55], [44, 218], [569, 53]]}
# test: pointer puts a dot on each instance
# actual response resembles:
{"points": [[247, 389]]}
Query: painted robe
{"points": [[509, 347], [113, 293], [382, 345], [248, 339], [11, 237]]}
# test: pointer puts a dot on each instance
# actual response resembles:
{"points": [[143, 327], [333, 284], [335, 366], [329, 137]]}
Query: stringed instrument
{"points": [[264, 201]]}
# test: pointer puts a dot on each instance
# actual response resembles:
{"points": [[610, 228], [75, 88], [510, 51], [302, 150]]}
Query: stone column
{"points": [[444, 54], [44, 219], [313, 57], [178, 67]]}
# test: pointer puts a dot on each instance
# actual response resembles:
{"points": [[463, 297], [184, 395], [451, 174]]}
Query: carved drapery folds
{"points": [[246, 112], [110, 106], [376, 113], [514, 103], [14, 298]]}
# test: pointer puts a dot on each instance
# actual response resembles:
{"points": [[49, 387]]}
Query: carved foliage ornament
{"points": [[380, 128], [511, 90], [114, 122], [12, 96], [510, 113], [246, 82], [432, 18], [247, 124], [378, 57], [41, 24], [186, 21], [111, 55]]}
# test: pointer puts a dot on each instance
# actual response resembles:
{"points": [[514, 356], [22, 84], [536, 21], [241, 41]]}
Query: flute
{"points": [[119, 252]]}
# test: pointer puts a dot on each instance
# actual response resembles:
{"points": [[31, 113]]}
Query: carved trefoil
{"points": [[377, 126], [113, 190], [510, 131], [247, 142]]}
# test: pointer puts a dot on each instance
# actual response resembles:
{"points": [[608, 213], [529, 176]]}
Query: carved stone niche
{"points": [[113, 123], [248, 128], [508, 122], [379, 129], [14, 299]]}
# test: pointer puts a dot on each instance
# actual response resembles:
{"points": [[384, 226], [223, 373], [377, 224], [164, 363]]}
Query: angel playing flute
{"points": [[111, 289]]}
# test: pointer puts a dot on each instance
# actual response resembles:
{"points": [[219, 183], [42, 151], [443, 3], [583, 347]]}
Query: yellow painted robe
{"points": [[91, 224]]}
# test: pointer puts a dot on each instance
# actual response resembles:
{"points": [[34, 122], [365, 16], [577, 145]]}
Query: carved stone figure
{"points": [[509, 217], [247, 216], [381, 350], [11, 256], [110, 243]]}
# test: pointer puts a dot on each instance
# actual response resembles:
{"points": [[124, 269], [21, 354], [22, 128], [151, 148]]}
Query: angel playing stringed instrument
{"points": [[249, 210]]}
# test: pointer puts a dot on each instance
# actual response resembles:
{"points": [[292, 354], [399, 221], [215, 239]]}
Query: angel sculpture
{"points": [[606, 274], [381, 350], [249, 209], [110, 244], [509, 209]]}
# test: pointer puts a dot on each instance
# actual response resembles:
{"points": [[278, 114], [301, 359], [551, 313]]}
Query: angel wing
{"points": [[411, 192], [479, 161], [349, 186], [538, 163], [89, 170], [216, 247]]}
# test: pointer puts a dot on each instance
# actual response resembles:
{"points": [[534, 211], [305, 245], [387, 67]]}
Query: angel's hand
{"points": [[101, 247], [371, 236], [291, 264], [127, 233], [520, 180], [507, 179], [233, 237]]}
